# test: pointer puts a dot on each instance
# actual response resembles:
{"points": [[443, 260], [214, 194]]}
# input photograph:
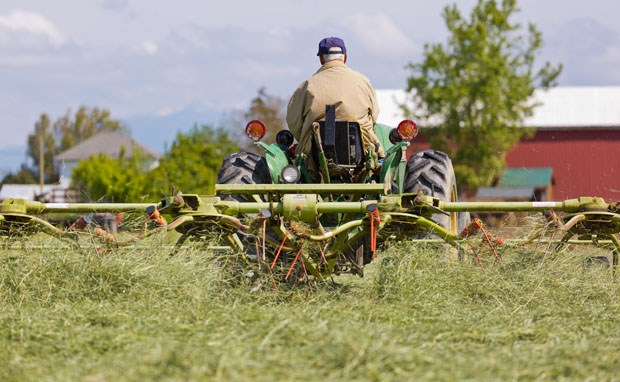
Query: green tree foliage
{"points": [[475, 89], [192, 162], [103, 178], [190, 165]]}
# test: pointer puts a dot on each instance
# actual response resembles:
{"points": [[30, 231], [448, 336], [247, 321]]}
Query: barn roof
{"points": [[565, 107], [526, 177], [110, 143], [585, 106], [505, 193]]}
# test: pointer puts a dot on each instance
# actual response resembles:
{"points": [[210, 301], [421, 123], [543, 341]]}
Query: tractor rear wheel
{"points": [[243, 168], [431, 173]]}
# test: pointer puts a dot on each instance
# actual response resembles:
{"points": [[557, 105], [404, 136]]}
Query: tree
{"points": [[476, 88], [121, 179], [190, 165], [270, 110], [192, 162], [42, 146], [266, 107], [86, 122], [67, 131], [23, 176]]}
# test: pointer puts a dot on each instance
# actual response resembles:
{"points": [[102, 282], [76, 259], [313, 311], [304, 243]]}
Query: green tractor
{"points": [[301, 216], [341, 196]]}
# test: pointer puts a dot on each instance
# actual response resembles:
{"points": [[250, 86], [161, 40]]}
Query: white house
{"points": [[110, 143]]}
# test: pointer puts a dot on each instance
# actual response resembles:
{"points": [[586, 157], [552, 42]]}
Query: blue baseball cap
{"points": [[331, 42]]}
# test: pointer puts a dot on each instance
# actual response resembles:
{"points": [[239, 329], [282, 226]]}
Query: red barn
{"points": [[577, 135]]}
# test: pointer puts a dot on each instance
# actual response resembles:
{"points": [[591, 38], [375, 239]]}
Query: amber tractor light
{"points": [[406, 131], [255, 130]]}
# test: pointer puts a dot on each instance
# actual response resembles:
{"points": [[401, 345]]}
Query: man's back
{"points": [[333, 83]]}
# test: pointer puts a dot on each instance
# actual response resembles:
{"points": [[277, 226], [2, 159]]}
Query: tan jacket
{"points": [[333, 83]]}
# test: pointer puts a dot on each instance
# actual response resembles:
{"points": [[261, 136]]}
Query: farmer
{"points": [[334, 83]]}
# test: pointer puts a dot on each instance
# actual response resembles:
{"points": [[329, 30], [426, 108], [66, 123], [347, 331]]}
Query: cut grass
{"points": [[137, 314]]}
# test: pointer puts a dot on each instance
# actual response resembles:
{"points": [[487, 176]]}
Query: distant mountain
{"points": [[157, 131], [11, 157]]}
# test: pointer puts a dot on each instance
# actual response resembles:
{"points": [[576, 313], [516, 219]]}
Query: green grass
{"points": [[136, 314]]}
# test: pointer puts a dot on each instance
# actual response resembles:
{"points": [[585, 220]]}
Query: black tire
{"points": [[431, 173], [243, 168]]}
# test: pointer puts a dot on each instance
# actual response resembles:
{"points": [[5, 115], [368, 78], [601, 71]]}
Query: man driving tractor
{"points": [[333, 84]]}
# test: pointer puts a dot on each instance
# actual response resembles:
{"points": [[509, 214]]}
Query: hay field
{"points": [[137, 314]]}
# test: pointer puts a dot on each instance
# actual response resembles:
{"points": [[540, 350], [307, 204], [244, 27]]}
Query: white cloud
{"points": [[612, 54], [150, 47], [115, 5], [168, 110], [32, 23], [379, 33]]}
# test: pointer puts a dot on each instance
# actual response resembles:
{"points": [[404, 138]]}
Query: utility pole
{"points": [[41, 159]]}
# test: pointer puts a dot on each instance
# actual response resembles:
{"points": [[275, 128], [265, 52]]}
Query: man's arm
{"points": [[296, 109], [374, 111], [373, 114]]}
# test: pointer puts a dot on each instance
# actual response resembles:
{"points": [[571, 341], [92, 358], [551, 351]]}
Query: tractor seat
{"points": [[342, 144]]}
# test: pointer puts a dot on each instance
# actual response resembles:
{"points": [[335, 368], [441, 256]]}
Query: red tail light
{"points": [[255, 130]]}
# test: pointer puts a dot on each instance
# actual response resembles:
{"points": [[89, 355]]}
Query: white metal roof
{"points": [[561, 107], [24, 191], [30, 191], [106, 142]]}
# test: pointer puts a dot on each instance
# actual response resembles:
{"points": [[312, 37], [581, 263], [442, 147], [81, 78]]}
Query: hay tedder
{"points": [[328, 211]]}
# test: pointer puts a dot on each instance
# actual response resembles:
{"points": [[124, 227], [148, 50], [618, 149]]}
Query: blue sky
{"points": [[162, 66]]}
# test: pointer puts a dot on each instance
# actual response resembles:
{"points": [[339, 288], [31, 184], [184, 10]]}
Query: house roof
{"points": [[565, 107], [505, 193], [526, 177], [109, 143]]}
